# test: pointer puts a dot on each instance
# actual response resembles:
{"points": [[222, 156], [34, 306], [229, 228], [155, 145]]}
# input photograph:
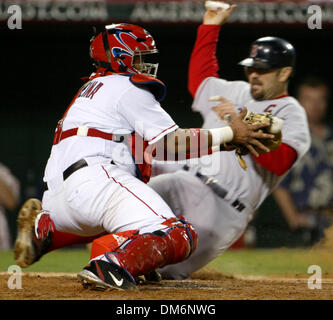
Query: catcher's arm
{"points": [[189, 143], [226, 111], [248, 135]]}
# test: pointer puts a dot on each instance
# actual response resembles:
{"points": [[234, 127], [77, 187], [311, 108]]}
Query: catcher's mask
{"points": [[123, 48]]}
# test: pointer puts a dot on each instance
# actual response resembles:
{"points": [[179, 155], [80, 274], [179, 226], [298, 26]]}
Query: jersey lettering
{"points": [[90, 90], [268, 109]]}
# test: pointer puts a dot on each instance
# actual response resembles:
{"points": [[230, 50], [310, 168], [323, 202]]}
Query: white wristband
{"points": [[221, 135]]}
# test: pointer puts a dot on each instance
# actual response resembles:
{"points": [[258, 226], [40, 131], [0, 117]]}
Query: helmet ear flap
{"points": [[100, 35], [106, 45]]}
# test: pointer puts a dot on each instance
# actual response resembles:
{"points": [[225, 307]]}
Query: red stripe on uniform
{"points": [[106, 172], [280, 97], [134, 195], [162, 132]]}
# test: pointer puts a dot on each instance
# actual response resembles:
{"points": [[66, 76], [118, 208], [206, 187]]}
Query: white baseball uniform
{"points": [[217, 222], [105, 196]]}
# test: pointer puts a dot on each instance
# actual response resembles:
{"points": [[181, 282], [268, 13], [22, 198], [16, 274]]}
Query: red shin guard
{"points": [[143, 253]]}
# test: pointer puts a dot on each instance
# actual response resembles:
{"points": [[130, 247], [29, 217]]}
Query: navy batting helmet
{"points": [[270, 53]]}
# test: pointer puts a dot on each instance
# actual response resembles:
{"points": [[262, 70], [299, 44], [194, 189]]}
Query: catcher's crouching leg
{"points": [[140, 254], [147, 252]]}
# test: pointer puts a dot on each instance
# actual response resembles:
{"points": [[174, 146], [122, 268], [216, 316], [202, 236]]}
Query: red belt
{"points": [[143, 170], [84, 131]]}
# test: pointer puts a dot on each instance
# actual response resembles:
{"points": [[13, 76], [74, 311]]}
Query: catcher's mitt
{"points": [[272, 144]]}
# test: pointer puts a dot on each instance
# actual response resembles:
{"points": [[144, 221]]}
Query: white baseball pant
{"points": [[101, 197], [217, 223]]}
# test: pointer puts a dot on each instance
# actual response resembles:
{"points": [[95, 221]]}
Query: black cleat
{"points": [[102, 275]]}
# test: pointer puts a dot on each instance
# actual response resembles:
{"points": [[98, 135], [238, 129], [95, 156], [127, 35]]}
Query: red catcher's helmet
{"points": [[116, 46]]}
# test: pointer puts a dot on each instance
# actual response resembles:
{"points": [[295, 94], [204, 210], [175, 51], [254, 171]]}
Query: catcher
{"points": [[220, 200], [100, 161]]}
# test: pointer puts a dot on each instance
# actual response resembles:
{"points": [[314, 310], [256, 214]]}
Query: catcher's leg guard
{"points": [[143, 253], [110, 242]]}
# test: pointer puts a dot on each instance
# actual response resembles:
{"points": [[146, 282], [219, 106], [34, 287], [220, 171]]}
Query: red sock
{"points": [[64, 239], [110, 242], [60, 239]]}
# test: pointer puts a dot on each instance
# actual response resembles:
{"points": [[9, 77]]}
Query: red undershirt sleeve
{"points": [[278, 161], [203, 61]]}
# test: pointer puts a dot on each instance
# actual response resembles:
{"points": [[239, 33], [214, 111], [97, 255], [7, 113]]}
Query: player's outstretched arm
{"points": [[203, 61], [193, 143]]}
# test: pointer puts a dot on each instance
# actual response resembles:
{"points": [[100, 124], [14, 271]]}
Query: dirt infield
{"points": [[204, 285]]}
